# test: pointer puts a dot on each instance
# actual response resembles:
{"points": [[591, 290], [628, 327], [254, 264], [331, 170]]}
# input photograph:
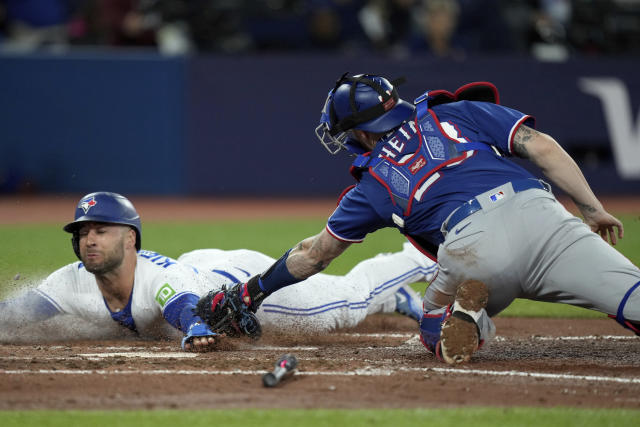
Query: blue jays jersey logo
{"points": [[87, 204]]}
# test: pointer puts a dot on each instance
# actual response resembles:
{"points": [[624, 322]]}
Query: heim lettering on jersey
{"points": [[623, 132], [395, 142]]}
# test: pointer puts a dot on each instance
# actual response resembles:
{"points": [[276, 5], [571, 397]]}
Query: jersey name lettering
{"points": [[395, 142], [156, 258], [397, 145]]}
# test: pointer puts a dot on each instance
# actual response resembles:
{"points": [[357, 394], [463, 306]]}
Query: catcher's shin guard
{"points": [[460, 336], [431, 327], [619, 317]]}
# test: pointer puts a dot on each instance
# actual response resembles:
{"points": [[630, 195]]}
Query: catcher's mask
{"points": [[105, 207], [365, 102]]}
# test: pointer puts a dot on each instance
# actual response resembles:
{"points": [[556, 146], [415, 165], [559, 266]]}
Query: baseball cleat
{"points": [[409, 303], [460, 336]]}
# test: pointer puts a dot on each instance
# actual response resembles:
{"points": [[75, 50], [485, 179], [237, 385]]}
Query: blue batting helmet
{"points": [[106, 207], [365, 102]]}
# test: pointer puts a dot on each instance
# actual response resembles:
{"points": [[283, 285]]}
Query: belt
{"points": [[473, 205]]}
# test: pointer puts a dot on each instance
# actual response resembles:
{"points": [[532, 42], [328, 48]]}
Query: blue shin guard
{"points": [[430, 328], [619, 317]]}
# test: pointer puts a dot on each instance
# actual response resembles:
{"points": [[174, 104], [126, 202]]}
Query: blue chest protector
{"points": [[410, 160]]}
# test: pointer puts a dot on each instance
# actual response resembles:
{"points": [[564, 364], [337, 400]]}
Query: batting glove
{"points": [[197, 330]]}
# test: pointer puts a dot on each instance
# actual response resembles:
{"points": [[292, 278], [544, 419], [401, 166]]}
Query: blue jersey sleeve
{"points": [[361, 211], [484, 122], [180, 311]]}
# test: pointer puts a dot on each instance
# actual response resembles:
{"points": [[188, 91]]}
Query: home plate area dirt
{"points": [[591, 363], [380, 364]]}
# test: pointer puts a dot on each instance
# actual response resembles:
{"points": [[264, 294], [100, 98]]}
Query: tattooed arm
{"points": [[314, 254], [560, 168]]}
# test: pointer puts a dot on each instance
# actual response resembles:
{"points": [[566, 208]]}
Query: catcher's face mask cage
{"points": [[364, 102], [106, 207]]}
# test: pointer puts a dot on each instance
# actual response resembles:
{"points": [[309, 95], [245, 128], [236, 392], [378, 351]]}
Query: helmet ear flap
{"points": [[75, 243], [333, 116]]}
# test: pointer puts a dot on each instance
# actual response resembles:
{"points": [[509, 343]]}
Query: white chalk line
{"points": [[141, 354], [587, 338], [132, 351], [372, 335], [102, 356], [376, 335], [156, 353], [114, 348], [358, 372]]}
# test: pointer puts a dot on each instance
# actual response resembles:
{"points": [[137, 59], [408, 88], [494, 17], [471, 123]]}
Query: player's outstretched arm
{"points": [[309, 257], [28, 307], [180, 314], [560, 168], [314, 254]]}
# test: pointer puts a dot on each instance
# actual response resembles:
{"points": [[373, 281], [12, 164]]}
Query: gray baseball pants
{"points": [[527, 245]]}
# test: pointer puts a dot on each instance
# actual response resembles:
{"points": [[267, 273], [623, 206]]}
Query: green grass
{"points": [[476, 417], [33, 251]]}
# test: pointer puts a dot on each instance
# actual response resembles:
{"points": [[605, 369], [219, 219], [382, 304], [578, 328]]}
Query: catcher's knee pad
{"points": [[619, 317]]}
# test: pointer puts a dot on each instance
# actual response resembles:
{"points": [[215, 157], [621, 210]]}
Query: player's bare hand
{"points": [[202, 344], [605, 224]]}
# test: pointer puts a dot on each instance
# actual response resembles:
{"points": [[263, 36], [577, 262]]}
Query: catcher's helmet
{"points": [[106, 207], [366, 102]]}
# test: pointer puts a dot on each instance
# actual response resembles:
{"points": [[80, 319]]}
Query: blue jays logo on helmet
{"points": [[87, 204], [365, 102], [104, 207]]}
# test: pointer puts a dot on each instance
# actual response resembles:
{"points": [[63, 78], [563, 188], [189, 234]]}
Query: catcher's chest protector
{"points": [[408, 162]]}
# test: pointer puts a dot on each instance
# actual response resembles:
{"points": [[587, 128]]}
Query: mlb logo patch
{"points": [[496, 196]]}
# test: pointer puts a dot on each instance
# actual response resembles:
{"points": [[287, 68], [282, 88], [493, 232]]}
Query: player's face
{"points": [[365, 139], [102, 246]]}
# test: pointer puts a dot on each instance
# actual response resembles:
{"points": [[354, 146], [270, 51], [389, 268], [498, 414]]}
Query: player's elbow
{"points": [[314, 254], [544, 150]]}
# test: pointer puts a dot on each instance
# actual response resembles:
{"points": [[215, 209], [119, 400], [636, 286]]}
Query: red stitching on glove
{"points": [[218, 299], [246, 298]]}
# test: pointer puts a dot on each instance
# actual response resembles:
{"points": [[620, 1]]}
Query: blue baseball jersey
{"points": [[370, 206]]}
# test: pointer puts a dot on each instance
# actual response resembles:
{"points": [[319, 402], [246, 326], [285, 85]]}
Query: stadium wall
{"points": [[141, 123]]}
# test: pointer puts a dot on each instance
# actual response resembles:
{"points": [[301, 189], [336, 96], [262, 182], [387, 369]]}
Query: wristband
{"points": [[277, 276]]}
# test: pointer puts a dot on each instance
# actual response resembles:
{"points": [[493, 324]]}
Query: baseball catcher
{"points": [[438, 170]]}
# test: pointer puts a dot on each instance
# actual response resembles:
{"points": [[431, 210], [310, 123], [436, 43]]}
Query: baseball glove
{"points": [[225, 312]]}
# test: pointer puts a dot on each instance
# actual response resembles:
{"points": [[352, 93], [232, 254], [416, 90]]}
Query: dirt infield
{"points": [[380, 364]]}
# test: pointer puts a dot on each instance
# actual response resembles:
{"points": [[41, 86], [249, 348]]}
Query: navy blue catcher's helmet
{"points": [[365, 102], [106, 207]]}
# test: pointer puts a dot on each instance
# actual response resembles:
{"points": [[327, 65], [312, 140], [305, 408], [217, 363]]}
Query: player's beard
{"points": [[110, 262]]}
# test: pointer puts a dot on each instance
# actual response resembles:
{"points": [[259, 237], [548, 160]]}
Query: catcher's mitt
{"points": [[225, 312]]}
